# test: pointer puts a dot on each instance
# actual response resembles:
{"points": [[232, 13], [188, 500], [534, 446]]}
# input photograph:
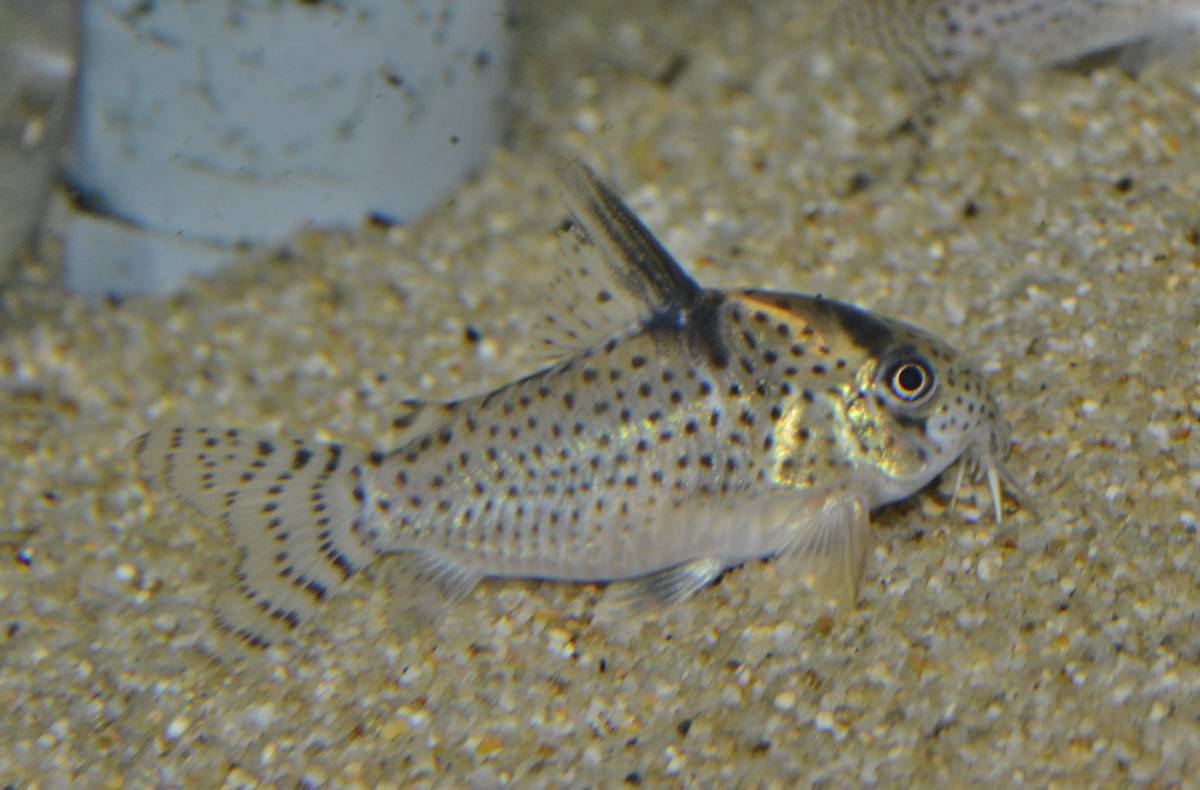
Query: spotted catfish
{"points": [[683, 430]]}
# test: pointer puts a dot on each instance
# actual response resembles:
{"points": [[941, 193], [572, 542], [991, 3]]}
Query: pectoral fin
{"points": [[831, 543]]}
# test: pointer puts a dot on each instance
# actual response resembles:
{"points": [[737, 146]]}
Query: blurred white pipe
{"points": [[229, 122]]}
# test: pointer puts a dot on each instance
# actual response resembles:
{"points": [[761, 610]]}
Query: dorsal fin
{"points": [[614, 273], [584, 306]]}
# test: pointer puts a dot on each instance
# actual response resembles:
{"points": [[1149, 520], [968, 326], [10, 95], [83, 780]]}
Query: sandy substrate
{"points": [[1049, 226]]}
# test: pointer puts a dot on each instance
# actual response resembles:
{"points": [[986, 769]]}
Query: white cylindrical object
{"points": [[232, 121]]}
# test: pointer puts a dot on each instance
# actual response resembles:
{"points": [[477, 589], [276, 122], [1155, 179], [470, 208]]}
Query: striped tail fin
{"points": [[288, 507]]}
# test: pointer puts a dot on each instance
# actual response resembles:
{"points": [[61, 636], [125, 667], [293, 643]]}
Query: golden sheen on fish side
{"points": [[683, 430]]}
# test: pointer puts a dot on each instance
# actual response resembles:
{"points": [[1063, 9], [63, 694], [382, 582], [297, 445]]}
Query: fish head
{"points": [[915, 409], [893, 402]]}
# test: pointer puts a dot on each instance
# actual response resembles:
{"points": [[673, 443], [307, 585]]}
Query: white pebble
{"points": [[176, 728]]}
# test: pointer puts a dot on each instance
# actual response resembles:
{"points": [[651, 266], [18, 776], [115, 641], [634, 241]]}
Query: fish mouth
{"points": [[981, 460]]}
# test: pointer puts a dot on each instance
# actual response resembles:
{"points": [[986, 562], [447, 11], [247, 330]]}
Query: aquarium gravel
{"points": [[1046, 221]]}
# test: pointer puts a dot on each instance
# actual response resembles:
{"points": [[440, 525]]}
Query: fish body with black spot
{"points": [[682, 431]]}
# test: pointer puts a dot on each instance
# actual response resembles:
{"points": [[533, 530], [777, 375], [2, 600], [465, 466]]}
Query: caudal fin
{"points": [[288, 508]]}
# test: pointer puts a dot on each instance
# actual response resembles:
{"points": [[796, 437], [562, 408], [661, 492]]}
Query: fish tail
{"points": [[289, 509]]}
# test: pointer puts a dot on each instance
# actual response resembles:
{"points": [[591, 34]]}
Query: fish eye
{"points": [[910, 379]]}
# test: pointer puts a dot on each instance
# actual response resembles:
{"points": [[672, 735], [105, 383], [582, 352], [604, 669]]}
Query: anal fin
{"points": [[427, 583]]}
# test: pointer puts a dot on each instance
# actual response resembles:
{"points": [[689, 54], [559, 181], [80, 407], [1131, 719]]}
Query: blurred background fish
{"points": [[932, 41]]}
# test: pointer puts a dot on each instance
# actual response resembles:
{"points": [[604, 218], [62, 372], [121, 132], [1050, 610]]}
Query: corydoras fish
{"points": [[683, 430]]}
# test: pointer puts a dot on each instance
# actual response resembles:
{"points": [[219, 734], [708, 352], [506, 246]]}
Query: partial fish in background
{"points": [[937, 40], [684, 430]]}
